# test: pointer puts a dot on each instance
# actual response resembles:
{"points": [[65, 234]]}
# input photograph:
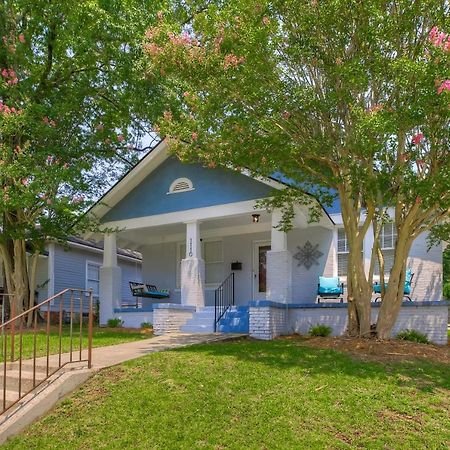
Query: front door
{"points": [[260, 250]]}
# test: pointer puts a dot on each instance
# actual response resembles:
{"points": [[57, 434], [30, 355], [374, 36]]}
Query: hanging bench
{"points": [[148, 291]]}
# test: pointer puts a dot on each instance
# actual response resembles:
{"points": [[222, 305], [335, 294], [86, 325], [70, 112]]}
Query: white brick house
{"points": [[195, 226]]}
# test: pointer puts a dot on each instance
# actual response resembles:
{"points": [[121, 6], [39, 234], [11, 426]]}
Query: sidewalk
{"points": [[71, 376], [115, 354]]}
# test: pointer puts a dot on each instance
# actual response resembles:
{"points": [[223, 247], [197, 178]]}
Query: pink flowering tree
{"points": [[347, 95], [70, 112]]}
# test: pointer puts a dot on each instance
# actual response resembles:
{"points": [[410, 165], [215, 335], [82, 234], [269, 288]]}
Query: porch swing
{"points": [[148, 291]]}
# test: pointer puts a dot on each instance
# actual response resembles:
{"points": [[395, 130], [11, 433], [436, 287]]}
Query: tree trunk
{"points": [[16, 274], [359, 292], [20, 276], [33, 269], [393, 297]]}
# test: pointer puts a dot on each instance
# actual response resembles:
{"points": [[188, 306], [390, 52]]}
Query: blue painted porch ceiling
{"points": [[212, 187]]}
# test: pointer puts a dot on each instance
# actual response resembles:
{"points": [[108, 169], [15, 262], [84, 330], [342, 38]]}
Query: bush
{"points": [[413, 336], [446, 291], [320, 330], [114, 323], [146, 325]]}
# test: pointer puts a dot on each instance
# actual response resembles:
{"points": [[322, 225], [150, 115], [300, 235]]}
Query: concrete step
{"points": [[12, 379], [11, 396], [27, 367]]}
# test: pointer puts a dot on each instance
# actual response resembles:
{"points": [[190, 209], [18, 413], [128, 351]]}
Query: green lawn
{"points": [[101, 337], [252, 395]]}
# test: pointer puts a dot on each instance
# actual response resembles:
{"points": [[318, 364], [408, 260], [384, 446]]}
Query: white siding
{"points": [[159, 264], [427, 269], [304, 281], [42, 278]]}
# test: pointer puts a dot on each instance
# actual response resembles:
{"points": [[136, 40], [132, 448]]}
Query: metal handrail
{"points": [[223, 298], [9, 330]]}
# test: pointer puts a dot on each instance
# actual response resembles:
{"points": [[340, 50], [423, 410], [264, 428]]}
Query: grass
{"points": [[252, 395], [101, 337]]}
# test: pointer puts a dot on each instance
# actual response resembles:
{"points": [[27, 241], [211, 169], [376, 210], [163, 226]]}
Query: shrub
{"points": [[413, 336], [146, 325], [320, 330], [116, 322], [446, 290]]}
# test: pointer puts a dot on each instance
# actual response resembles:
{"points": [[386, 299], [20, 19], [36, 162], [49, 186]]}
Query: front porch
{"points": [[191, 258]]}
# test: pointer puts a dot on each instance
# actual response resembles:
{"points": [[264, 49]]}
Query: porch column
{"points": [[193, 269], [279, 264], [110, 280]]}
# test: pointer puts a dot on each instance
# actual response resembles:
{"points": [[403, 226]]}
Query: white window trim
{"points": [[180, 257], [343, 278], [92, 263], [181, 180], [394, 234]]}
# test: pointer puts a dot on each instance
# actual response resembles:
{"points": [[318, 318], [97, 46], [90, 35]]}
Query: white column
{"points": [[193, 269], [367, 249], [193, 245], [279, 264], [110, 280]]}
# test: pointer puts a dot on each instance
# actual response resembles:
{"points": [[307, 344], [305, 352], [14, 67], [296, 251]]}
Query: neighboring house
{"points": [[77, 265], [194, 226]]}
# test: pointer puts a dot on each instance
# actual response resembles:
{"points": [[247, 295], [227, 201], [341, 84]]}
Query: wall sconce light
{"points": [[255, 218]]}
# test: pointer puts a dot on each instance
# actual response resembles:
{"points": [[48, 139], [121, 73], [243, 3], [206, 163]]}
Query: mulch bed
{"points": [[377, 350]]}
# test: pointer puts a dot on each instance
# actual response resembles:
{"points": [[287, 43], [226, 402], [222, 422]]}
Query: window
{"points": [[388, 236], [181, 185], [212, 253], [342, 252], [93, 278]]}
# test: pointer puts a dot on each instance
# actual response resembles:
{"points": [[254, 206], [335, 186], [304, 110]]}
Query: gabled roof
{"points": [[149, 163]]}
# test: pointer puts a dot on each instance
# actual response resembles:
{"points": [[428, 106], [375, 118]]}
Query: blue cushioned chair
{"points": [[406, 291], [330, 287]]}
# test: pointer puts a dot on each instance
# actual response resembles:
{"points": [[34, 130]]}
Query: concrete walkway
{"points": [[65, 380], [115, 354]]}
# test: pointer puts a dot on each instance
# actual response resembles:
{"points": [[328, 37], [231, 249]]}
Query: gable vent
{"points": [[181, 185]]}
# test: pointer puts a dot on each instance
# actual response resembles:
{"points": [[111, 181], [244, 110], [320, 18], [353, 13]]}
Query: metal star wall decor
{"points": [[308, 255]]}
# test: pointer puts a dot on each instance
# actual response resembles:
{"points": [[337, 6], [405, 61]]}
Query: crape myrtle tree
{"points": [[352, 96], [71, 114]]}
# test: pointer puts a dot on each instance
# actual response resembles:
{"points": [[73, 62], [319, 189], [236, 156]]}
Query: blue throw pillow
{"points": [[329, 282], [329, 285]]}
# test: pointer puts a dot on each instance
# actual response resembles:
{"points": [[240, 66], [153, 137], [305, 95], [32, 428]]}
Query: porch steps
{"points": [[235, 320], [201, 322], [11, 381]]}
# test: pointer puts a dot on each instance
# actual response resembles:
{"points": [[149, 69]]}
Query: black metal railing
{"points": [[223, 298], [38, 342]]}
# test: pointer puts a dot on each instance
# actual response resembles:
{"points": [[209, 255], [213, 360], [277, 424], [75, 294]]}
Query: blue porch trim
{"points": [[271, 304]]}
